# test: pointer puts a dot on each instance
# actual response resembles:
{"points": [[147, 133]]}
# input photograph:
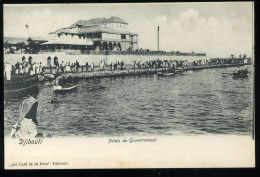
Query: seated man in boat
{"points": [[26, 127]]}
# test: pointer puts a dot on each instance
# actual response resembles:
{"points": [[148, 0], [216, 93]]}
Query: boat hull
{"points": [[20, 86]]}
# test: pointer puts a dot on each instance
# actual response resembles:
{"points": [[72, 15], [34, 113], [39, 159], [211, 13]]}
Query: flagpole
{"points": [[27, 26], [158, 38]]}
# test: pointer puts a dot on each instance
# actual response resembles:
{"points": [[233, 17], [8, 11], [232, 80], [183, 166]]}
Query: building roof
{"points": [[116, 20], [15, 40], [99, 21]]}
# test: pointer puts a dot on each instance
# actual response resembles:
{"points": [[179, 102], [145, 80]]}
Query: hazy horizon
{"points": [[217, 29]]}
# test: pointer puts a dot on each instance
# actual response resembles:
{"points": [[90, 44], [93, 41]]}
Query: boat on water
{"points": [[240, 73], [20, 85], [49, 76], [170, 72], [165, 74], [59, 88]]}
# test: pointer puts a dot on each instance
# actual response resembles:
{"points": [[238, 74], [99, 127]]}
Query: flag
{"points": [[27, 26]]}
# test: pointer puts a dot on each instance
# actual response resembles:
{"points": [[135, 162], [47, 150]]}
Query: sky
{"points": [[217, 29]]}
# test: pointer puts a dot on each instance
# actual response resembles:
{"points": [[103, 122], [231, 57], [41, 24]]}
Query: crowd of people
{"points": [[117, 65], [217, 61], [25, 67], [28, 66]]}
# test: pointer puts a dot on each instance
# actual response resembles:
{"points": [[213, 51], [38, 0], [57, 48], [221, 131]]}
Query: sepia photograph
{"points": [[130, 85]]}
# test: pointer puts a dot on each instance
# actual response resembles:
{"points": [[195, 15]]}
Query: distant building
{"points": [[96, 34], [15, 40], [22, 45]]}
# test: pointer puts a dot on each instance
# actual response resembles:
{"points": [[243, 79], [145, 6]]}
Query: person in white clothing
{"points": [[92, 66], [26, 126], [8, 70]]}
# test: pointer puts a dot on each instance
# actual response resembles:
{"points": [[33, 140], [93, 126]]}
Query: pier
{"points": [[82, 73]]}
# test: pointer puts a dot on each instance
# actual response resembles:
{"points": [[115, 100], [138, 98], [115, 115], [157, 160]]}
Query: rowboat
{"points": [[20, 85], [240, 74], [165, 74], [59, 88]]}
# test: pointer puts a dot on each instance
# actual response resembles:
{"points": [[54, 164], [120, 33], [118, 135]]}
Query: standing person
{"points": [[138, 65], [86, 66], [57, 65], [20, 68], [115, 65], [31, 68], [92, 66], [17, 68], [40, 67], [77, 65], [122, 65], [30, 60], [61, 67], [104, 64], [8, 70], [118, 65], [111, 66], [26, 126], [26, 68], [101, 66], [134, 64], [23, 59]]}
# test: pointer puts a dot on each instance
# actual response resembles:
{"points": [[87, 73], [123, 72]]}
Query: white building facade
{"points": [[96, 34]]}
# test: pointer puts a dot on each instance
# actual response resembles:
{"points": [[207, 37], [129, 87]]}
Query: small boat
{"points": [[59, 88], [240, 74], [20, 85], [165, 74], [49, 76]]}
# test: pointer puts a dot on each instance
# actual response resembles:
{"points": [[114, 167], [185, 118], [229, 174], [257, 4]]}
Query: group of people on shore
{"points": [[28, 66], [25, 67], [217, 61], [155, 64]]}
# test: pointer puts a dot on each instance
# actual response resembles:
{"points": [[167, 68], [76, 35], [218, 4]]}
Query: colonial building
{"points": [[96, 34]]}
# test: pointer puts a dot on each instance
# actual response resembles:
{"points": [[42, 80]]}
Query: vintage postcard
{"points": [[147, 85]]}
